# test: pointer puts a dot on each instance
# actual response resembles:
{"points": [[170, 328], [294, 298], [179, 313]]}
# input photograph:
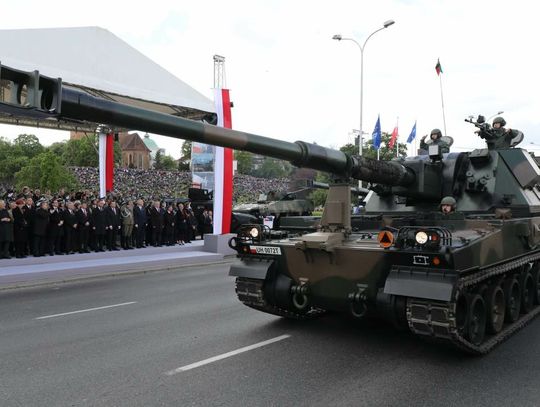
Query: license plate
{"points": [[265, 250]]}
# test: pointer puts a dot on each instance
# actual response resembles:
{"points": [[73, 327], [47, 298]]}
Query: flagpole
{"points": [[442, 103]]}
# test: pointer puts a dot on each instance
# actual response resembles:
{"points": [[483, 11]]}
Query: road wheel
{"points": [[535, 272], [462, 314], [477, 319], [528, 292], [512, 293], [496, 305]]}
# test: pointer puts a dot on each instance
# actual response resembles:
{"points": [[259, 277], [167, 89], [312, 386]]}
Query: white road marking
{"points": [[226, 355], [87, 310]]}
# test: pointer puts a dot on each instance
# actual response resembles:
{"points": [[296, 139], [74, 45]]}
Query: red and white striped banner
{"points": [[223, 168], [106, 163]]}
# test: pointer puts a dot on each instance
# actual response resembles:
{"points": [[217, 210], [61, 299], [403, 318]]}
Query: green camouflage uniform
{"points": [[443, 145]]}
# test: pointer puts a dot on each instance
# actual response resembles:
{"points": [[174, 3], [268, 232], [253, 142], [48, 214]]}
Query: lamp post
{"points": [[338, 37], [496, 114]]}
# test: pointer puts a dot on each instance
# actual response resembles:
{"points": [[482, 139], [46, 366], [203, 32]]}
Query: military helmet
{"points": [[448, 200], [499, 120], [437, 132]]}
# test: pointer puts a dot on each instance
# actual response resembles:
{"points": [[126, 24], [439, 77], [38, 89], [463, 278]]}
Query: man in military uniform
{"points": [[436, 139], [498, 137], [448, 205], [127, 225]]}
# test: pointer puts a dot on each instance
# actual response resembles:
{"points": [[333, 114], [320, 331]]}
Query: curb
{"points": [[90, 277]]}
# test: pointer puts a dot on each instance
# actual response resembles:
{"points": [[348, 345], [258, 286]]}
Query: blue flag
{"points": [[413, 134], [377, 134]]}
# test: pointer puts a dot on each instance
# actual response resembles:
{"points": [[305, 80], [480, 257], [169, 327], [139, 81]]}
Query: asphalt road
{"points": [[124, 341]]}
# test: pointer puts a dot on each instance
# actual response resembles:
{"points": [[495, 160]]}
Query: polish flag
{"points": [[393, 138], [223, 168], [106, 163]]}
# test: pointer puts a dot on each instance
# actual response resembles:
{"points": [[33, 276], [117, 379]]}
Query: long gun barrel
{"points": [[73, 104]]}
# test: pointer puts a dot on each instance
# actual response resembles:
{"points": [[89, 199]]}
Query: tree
{"points": [[157, 160], [168, 163], [46, 172], [349, 148], [10, 165], [12, 160], [58, 149], [385, 153], [244, 161], [318, 196], [117, 153], [272, 168], [82, 152], [183, 165], [186, 151], [28, 145]]}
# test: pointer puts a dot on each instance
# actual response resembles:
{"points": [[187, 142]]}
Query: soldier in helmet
{"points": [[448, 205], [499, 137], [436, 139]]}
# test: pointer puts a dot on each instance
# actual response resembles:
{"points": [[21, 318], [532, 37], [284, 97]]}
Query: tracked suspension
{"points": [[439, 319]]}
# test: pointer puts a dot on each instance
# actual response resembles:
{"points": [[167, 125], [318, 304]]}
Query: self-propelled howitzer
{"points": [[470, 278]]}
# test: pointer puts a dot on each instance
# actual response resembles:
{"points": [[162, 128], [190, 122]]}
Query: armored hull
{"points": [[476, 284]]}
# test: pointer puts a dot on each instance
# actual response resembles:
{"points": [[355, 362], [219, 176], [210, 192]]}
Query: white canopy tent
{"points": [[98, 62]]}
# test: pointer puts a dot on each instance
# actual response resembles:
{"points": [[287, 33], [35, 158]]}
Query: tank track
{"points": [[437, 319], [250, 293]]}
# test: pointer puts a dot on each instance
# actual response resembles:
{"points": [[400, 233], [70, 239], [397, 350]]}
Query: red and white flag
{"points": [[223, 168], [106, 163], [394, 137]]}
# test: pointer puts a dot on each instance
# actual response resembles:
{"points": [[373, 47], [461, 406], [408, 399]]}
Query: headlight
{"points": [[254, 232], [421, 237]]}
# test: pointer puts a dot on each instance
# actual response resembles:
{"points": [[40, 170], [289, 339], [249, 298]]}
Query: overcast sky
{"points": [[289, 80]]}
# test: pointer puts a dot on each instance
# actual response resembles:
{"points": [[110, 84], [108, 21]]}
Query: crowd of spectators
{"points": [[144, 208], [155, 184], [34, 225]]}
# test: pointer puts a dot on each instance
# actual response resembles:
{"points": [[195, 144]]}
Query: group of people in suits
{"points": [[58, 227]]}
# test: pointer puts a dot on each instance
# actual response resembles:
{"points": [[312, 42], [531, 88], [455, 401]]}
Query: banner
{"points": [[106, 163], [223, 168]]}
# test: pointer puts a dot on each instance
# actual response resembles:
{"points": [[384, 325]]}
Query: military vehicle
{"points": [[278, 204], [293, 209], [469, 278]]}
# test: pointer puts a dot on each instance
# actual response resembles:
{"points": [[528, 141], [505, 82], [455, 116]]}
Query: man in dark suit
{"points": [[20, 229], [29, 214], [156, 221], [99, 225], [114, 222], [56, 229], [83, 220], [70, 228], [140, 218], [39, 229], [6, 230]]}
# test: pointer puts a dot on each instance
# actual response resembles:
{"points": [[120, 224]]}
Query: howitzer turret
{"points": [[470, 278]]}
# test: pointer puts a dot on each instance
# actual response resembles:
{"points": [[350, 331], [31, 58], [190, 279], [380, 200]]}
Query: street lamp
{"points": [[338, 37], [496, 114]]}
